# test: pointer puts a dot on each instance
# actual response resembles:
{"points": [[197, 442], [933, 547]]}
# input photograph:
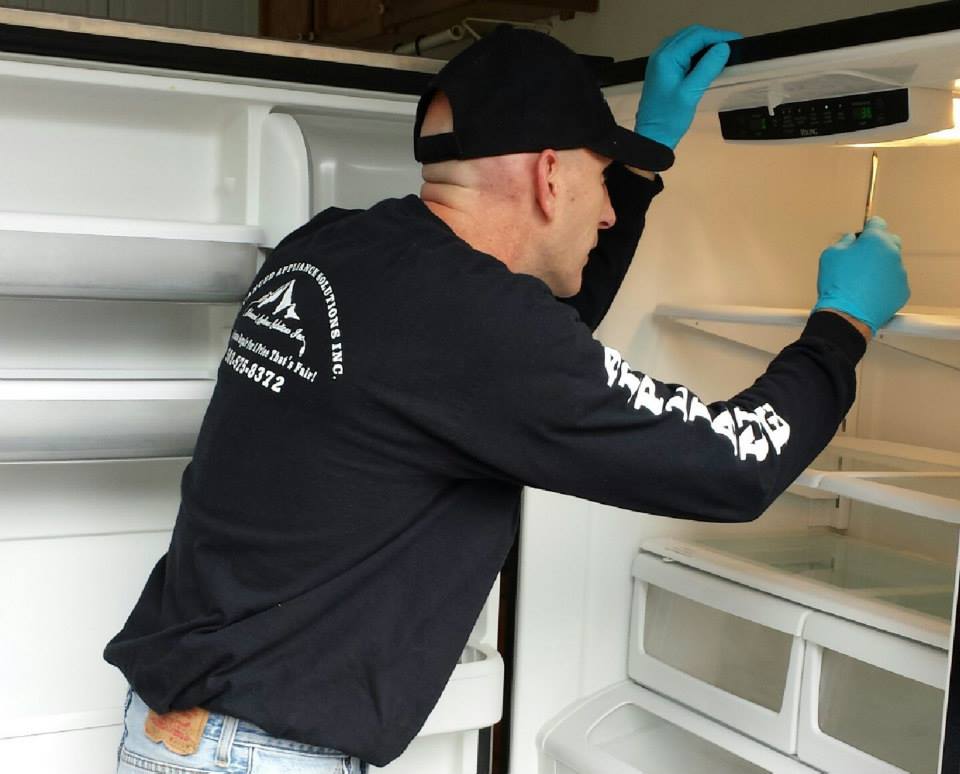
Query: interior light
{"points": [[944, 137]]}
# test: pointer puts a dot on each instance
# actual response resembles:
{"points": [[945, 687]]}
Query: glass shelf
{"points": [[66, 256], [890, 590], [913, 479], [926, 332]]}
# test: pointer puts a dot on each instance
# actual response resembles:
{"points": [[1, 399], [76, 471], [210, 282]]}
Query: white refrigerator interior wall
{"points": [[734, 225]]}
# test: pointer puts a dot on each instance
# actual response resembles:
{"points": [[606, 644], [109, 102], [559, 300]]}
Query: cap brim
{"points": [[634, 150]]}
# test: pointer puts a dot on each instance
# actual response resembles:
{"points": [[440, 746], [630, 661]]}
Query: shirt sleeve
{"points": [[540, 402], [630, 195]]}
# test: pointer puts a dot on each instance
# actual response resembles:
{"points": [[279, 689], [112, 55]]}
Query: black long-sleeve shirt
{"points": [[386, 392]]}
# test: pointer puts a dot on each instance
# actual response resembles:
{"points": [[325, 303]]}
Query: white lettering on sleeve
{"points": [[679, 402], [723, 425], [751, 432], [647, 397], [612, 361], [777, 429]]}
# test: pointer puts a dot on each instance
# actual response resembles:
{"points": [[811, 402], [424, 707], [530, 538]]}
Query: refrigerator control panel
{"points": [[818, 117]]}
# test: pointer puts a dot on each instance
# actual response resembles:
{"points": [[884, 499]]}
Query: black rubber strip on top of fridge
{"points": [[37, 41], [844, 33]]}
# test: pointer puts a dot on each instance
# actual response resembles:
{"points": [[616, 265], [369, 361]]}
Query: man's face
{"points": [[585, 209]]}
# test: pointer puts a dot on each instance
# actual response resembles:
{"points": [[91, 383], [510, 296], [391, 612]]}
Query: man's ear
{"points": [[547, 182]]}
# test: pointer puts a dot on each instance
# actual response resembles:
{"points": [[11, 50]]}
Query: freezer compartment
{"points": [[730, 652], [114, 258], [627, 729], [872, 702], [894, 591], [98, 419]]}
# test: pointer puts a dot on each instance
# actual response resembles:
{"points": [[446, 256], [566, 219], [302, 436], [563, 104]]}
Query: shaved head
{"points": [[538, 213]]}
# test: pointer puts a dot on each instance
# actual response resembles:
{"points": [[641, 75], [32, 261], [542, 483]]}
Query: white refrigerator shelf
{"points": [[99, 419], [70, 256], [890, 590], [930, 333], [913, 479]]}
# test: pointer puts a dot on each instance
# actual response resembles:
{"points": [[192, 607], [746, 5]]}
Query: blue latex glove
{"points": [[864, 276], [671, 90]]}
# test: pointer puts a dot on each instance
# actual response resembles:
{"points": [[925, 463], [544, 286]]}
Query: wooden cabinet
{"points": [[381, 24]]}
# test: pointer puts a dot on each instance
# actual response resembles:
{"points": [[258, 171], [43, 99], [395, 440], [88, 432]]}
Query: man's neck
{"points": [[495, 232]]}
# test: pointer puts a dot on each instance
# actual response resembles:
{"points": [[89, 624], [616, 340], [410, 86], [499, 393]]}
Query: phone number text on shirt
{"points": [[258, 373]]}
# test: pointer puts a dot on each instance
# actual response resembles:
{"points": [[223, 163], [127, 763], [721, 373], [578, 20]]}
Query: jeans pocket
{"points": [[131, 763], [272, 760]]}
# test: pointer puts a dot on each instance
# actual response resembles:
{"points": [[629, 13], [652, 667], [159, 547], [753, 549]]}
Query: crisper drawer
{"points": [[730, 652], [626, 729], [872, 702]]}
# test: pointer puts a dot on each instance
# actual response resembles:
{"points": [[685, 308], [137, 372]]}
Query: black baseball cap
{"points": [[521, 91]]}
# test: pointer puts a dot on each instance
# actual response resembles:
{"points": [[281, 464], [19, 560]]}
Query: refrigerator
{"points": [[147, 173]]}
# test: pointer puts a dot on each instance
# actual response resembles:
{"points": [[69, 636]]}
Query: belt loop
{"points": [[228, 731]]}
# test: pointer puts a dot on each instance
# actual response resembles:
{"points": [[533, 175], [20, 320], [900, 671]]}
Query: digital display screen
{"points": [[815, 118]]}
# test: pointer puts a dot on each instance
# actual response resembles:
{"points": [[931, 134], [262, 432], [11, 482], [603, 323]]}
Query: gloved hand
{"points": [[670, 90], [864, 276]]}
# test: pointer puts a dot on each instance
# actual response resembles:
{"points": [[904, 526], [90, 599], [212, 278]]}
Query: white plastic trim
{"points": [[811, 594], [818, 748], [94, 389], [921, 663], [473, 696], [777, 728], [936, 326], [567, 739], [44, 223], [871, 489], [899, 451], [719, 594], [401, 106]]}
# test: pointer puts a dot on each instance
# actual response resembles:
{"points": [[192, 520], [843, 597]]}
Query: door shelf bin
{"points": [[722, 649], [110, 258], [473, 696], [94, 419], [627, 729], [871, 702], [877, 586]]}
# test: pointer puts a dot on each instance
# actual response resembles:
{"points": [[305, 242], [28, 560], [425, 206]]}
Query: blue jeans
{"points": [[227, 746]]}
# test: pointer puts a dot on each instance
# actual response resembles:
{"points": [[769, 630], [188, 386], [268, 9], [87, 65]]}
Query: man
{"points": [[395, 376]]}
